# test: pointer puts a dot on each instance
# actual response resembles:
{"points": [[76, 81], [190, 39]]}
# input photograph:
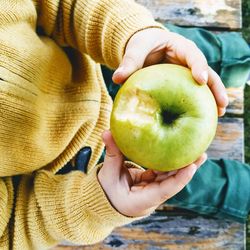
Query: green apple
{"points": [[162, 119]]}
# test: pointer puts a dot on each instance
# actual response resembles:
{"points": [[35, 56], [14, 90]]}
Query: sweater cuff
{"points": [[75, 207], [106, 27]]}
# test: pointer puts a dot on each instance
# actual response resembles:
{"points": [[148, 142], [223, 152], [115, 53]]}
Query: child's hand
{"points": [[152, 46], [135, 192]]}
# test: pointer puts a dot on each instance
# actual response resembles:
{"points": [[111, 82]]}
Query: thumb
{"points": [[113, 161], [133, 59]]}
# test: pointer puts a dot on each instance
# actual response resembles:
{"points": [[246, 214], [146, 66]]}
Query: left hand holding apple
{"points": [[136, 192], [153, 45]]}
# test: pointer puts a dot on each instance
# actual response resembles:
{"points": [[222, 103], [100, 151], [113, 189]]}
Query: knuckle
{"points": [[182, 182], [111, 155], [165, 196], [192, 44], [114, 155], [188, 178], [215, 76], [130, 58]]}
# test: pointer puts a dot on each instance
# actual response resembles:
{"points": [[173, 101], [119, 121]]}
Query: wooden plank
{"points": [[203, 13], [229, 140], [172, 231], [236, 101]]}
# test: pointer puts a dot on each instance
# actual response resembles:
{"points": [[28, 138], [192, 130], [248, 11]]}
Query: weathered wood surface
{"points": [[204, 13], [236, 101], [171, 231], [229, 140]]}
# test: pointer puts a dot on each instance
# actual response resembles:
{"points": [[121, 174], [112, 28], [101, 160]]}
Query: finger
{"points": [[160, 175], [137, 188], [176, 183], [171, 185], [221, 111], [201, 160], [148, 175], [113, 159], [131, 62], [157, 56], [136, 53], [196, 61], [135, 174], [140, 176], [219, 91], [162, 191], [141, 184], [163, 177], [164, 172], [167, 184]]}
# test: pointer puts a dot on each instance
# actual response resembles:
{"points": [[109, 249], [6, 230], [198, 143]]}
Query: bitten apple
{"points": [[162, 118]]}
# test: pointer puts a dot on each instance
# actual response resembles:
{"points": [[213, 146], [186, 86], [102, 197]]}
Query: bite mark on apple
{"points": [[137, 107]]}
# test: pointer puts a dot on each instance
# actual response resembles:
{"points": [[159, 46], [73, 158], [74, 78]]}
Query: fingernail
{"points": [[225, 97], [119, 70], [203, 161], [223, 111], [204, 77], [194, 168]]}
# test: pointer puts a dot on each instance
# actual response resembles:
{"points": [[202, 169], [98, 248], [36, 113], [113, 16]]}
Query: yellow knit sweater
{"points": [[53, 102]]}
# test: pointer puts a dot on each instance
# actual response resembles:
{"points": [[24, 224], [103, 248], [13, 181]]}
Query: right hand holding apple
{"points": [[136, 192], [154, 46]]}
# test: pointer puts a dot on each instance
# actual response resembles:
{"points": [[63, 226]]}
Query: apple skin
{"points": [[162, 119]]}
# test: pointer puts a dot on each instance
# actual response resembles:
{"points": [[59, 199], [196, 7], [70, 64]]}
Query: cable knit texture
{"points": [[53, 102]]}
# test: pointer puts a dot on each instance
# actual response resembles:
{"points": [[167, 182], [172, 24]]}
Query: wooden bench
{"points": [[172, 228]]}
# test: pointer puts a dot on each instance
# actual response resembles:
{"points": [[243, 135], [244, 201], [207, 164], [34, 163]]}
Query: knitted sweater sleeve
{"points": [[81, 214], [52, 208], [100, 28]]}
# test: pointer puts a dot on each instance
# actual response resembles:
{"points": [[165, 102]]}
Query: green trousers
{"points": [[220, 188], [227, 53]]}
